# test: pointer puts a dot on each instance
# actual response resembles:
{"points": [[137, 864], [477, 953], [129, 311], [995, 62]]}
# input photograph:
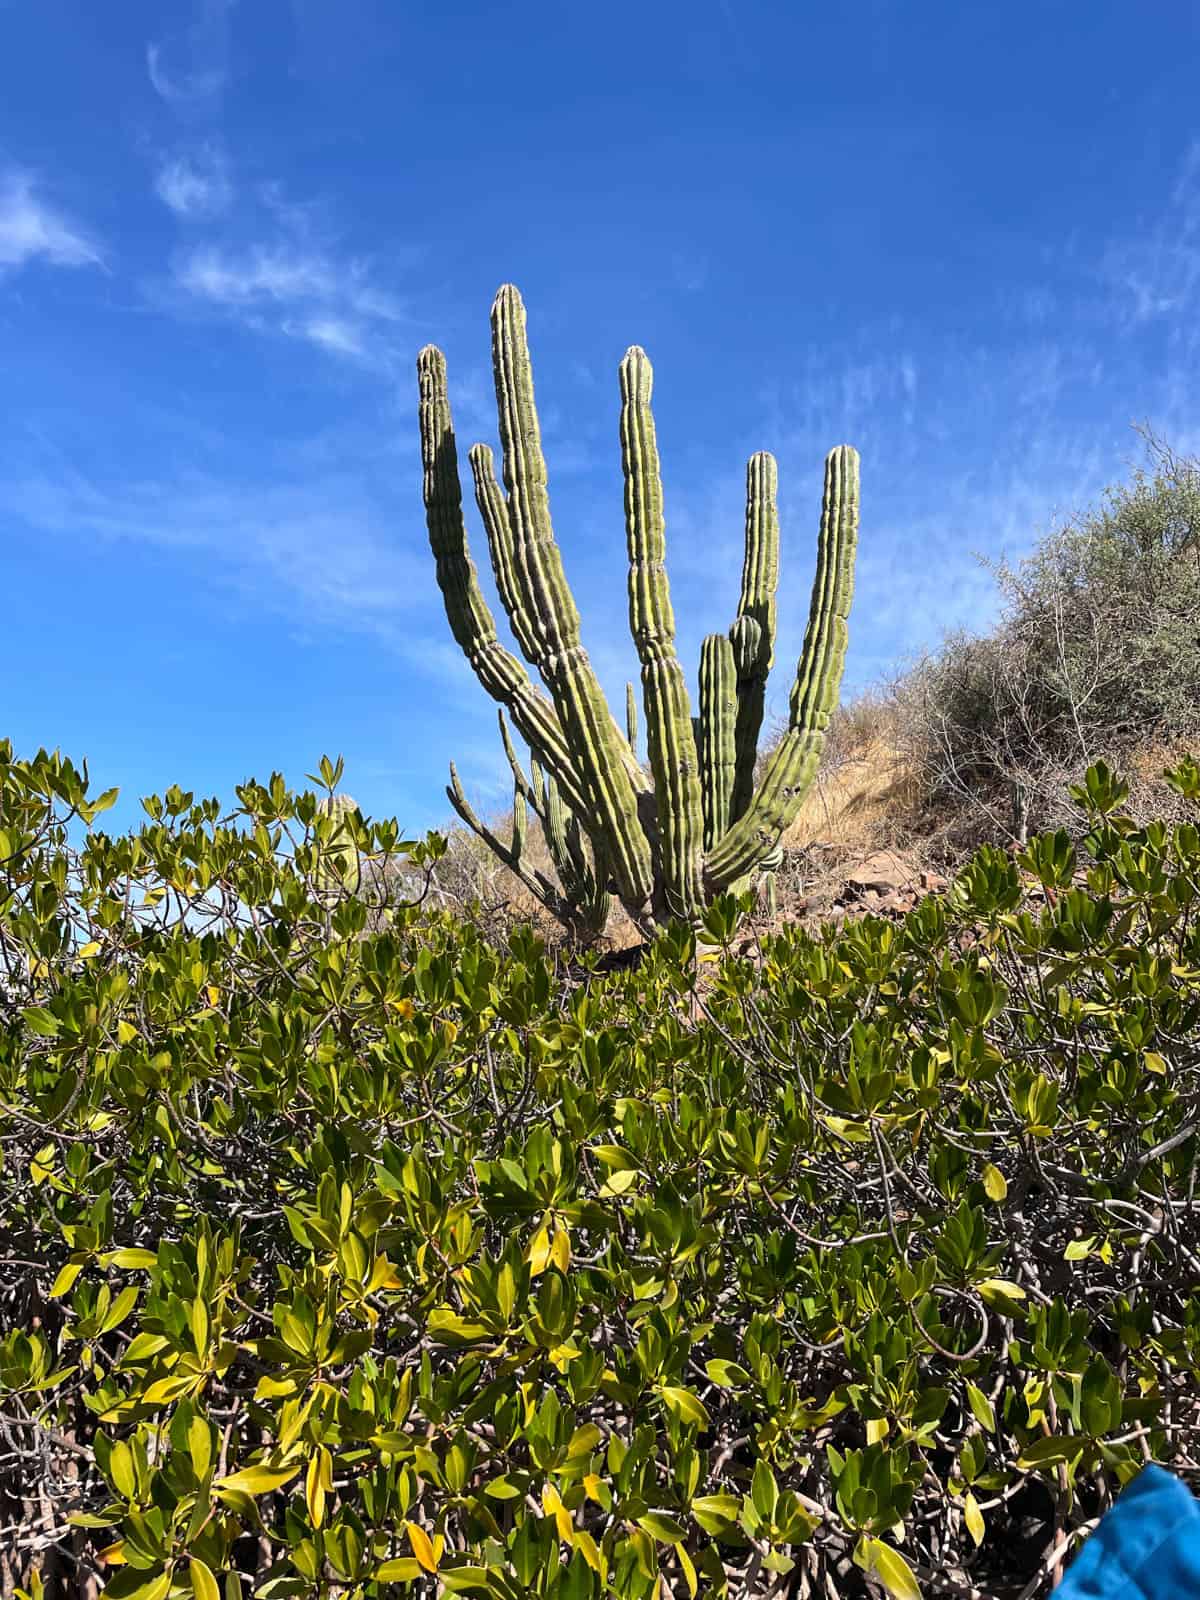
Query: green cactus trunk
{"points": [[670, 743], [718, 733], [598, 753], [754, 646]]}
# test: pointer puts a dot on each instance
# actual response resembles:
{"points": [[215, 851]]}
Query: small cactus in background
{"points": [[338, 870], [695, 826]]}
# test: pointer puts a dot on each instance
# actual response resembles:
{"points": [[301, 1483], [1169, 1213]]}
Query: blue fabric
{"points": [[1146, 1546]]}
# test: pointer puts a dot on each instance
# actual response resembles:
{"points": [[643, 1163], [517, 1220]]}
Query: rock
{"points": [[883, 871]]}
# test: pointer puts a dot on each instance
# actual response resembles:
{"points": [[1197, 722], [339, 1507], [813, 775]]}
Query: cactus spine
{"points": [[702, 827]]}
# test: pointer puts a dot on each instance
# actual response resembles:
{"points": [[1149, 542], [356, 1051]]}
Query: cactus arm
{"points": [[600, 757], [793, 763], [494, 513], [520, 826], [755, 649], [537, 780], [718, 724], [670, 743], [585, 886], [468, 613], [521, 784], [509, 855], [631, 719]]}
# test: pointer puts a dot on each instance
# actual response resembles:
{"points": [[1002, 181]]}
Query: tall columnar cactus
{"points": [[697, 825]]}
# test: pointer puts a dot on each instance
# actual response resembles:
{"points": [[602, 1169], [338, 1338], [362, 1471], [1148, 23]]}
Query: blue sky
{"points": [[965, 238]]}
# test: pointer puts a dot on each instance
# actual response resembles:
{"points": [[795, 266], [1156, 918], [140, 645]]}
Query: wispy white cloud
{"points": [[31, 229], [193, 66], [286, 288], [321, 550], [183, 88], [1156, 273], [197, 186], [331, 333], [263, 274]]}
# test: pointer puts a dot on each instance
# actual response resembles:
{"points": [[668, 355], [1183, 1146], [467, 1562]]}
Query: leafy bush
{"points": [[1097, 653], [352, 1263]]}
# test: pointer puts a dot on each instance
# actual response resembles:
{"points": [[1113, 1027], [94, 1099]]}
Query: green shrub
{"points": [[1097, 654], [331, 1258]]}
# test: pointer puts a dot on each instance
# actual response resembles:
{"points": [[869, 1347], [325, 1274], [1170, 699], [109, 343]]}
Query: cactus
{"points": [[583, 902], [338, 870], [696, 826]]}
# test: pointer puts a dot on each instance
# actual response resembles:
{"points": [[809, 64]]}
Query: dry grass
{"points": [[863, 800]]}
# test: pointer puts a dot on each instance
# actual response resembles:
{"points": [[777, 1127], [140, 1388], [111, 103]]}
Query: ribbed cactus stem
{"points": [[537, 779], [555, 822], [493, 510], [489, 497], [338, 869], [718, 722], [760, 579], [670, 743], [521, 784], [631, 718], [599, 762], [468, 613], [793, 763], [520, 826]]}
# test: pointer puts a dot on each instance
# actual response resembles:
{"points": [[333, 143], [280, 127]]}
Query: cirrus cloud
{"points": [[31, 229]]}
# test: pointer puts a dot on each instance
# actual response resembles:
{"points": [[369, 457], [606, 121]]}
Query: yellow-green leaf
{"points": [[200, 1445], [985, 1412], [539, 1250], [120, 1308], [121, 1470], [403, 1570], [129, 1258], [156, 1589], [560, 1249], [689, 1570], [688, 1407], [890, 1567], [1001, 1294], [66, 1279], [973, 1518], [314, 1491], [204, 1585], [586, 1546], [994, 1183], [662, 1527], [260, 1479]]}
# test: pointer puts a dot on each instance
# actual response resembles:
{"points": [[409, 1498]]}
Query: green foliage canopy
{"points": [[338, 1263]]}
